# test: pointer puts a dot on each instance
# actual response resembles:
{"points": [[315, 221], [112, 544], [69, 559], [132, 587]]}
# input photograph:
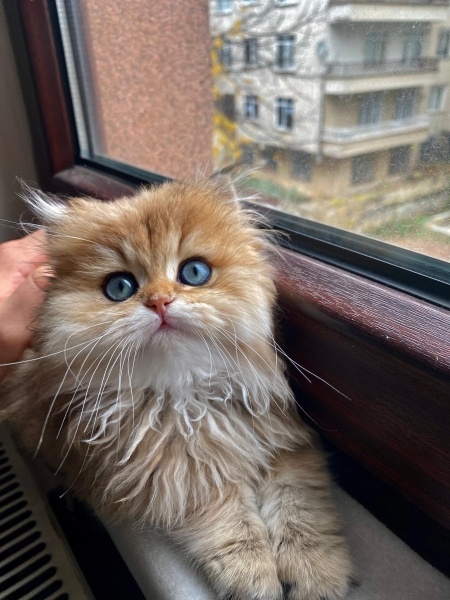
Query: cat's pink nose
{"points": [[159, 305]]}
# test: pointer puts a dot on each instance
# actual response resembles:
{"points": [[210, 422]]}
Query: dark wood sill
{"points": [[388, 355]]}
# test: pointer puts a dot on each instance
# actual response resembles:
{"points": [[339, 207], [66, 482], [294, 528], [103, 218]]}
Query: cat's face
{"points": [[168, 280]]}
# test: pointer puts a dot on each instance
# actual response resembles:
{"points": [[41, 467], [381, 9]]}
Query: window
{"points": [[399, 160], [443, 44], [251, 52], [251, 108], [226, 54], [284, 113], [375, 47], [412, 47], [226, 106], [224, 6], [302, 164], [370, 109], [363, 168], [285, 51], [436, 97], [405, 104]]}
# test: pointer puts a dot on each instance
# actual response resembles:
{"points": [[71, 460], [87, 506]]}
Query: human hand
{"points": [[24, 275]]}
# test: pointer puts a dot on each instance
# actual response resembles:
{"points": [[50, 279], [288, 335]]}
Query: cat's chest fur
{"points": [[185, 443]]}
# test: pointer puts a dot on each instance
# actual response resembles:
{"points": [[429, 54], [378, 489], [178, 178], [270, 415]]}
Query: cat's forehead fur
{"points": [[158, 226]]}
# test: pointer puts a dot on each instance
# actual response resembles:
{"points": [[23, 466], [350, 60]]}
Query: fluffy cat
{"points": [[153, 384]]}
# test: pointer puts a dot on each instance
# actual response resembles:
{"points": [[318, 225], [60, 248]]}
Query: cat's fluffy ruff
{"points": [[179, 424]]}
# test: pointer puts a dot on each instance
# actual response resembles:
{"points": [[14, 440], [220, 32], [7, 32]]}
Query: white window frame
{"points": [[404, 97], [370, 107], [285, 52], [251, 52], [224, 6], [284, 114], [251, 108], [226, 54], [443, 47], [436, 97], [412, 46], [378, 40]]}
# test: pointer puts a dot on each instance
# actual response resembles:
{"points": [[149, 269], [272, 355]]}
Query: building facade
{"points": [[334, 96]]}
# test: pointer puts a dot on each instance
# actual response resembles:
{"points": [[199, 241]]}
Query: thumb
{"points": [[17, 314]]}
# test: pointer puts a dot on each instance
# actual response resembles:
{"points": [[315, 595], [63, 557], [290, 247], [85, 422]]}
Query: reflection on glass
{"points": [[356, 132], [340, 108]]}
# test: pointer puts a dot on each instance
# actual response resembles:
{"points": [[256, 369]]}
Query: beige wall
{"points": [[16, 157]]}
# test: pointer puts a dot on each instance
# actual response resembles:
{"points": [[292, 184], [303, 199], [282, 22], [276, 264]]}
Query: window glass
{"points": [[339, 108]]}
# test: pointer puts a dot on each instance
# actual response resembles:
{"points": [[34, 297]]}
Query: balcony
{"points": [[358, 78], [341, 142], [419, 65], [387, 11]]}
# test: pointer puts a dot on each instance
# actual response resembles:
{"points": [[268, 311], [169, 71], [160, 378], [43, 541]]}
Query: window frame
{"points": [[284, 113], [349, 297], [251, 108], [285, 52], [250, 52]]}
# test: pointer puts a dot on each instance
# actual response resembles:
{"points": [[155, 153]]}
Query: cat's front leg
{"points": [[311, 555], [230, 543]]}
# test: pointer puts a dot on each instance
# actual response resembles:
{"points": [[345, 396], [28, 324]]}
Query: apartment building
{"points": [[335, 95]]}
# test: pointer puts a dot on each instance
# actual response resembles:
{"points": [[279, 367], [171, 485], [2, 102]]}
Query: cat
{"points": [[153, 384]]}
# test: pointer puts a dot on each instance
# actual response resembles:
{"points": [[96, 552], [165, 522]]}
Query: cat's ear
{"points": [[50, 209]]}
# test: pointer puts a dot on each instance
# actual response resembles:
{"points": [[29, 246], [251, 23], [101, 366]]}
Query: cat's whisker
{"points": [[211, 361], [67, 490], [298, 404], [74, 436], [127, 345], [52, 404], [103, 384], [263, 387], [301, 369], [84, 376]]}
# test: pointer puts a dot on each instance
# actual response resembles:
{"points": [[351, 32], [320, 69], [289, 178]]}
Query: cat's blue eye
{"points": [[194, 271], [120, 286]]}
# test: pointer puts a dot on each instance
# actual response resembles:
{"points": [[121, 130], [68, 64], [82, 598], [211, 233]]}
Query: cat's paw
{"points": [[315, 571], [248, 575]]}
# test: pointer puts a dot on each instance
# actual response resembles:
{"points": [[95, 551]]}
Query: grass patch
{"points": [[274, 189]]}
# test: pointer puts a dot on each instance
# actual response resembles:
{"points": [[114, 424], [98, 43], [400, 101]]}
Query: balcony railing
{"points": [[383, 68], [381, 129], [391, 2]]}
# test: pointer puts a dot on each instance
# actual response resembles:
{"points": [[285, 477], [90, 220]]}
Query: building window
{"points": [[363, 168], [443, 47], [301, 163], [247, 154], [269, 156], [412, 47], [405, 104], [251, 52], [436, 98], [251, 108], [375, 48], [225, 105], [224, 6], [284, 113], [399, 160], [226, 54], [285, 51], [370, 109]]}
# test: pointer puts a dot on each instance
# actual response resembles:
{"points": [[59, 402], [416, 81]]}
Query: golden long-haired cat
{"points": [[154, 385]]}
